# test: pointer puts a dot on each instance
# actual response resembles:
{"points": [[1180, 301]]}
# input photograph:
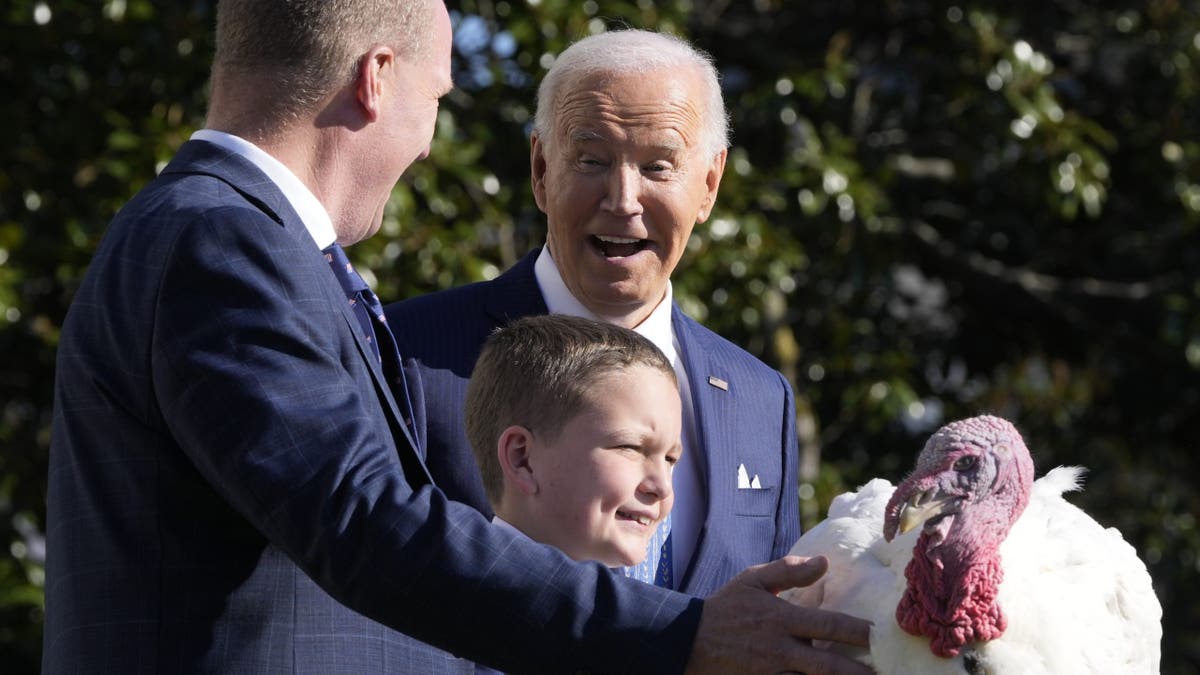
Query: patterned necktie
{"points": [[373, 323], [363, 302], [656, 568]]}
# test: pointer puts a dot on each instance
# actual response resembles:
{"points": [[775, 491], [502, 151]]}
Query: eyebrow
{"points": [[585, 136]]}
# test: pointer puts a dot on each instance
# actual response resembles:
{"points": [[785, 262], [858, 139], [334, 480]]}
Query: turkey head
{"points": [[971, 483]]}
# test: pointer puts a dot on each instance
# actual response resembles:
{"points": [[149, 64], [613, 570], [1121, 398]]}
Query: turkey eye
{"points": [[964, 463]]}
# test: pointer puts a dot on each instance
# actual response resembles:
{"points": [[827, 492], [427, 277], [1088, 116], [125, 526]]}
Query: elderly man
{"points": [[627, 153], [232, 488]]}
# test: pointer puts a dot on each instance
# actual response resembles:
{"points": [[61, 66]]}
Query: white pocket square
{"points": [[745, 482]]}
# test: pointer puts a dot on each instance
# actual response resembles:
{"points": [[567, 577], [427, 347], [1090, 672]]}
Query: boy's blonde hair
{"points": [[538, 372]]}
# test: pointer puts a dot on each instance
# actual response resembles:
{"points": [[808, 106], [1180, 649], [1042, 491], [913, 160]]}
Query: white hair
{"points": [[632, 51]]}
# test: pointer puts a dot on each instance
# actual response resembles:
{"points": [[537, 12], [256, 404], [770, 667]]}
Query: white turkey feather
{"points": [[1076, 596]]}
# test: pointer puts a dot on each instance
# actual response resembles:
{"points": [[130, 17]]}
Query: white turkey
{"points": [[969, 566]]}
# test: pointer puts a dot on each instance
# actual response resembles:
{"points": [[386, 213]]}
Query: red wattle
{"points": [[951, 607]]}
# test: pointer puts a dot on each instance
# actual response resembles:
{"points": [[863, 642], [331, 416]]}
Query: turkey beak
{"points": [[921, 507]]}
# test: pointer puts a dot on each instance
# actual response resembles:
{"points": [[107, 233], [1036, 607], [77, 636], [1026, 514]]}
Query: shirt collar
{"points": [[559, 300], [306, 205], [505, 525]]}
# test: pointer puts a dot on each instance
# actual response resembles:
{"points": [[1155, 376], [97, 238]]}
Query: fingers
{"points": [[822, 662], [820, 624], [803, 622], [744, 628], [787, 572], [809, 623]]}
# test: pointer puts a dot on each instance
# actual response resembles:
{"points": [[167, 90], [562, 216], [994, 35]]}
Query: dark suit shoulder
{"points": [[456, 321], [449, 325], [203, 184], [431, 305]]}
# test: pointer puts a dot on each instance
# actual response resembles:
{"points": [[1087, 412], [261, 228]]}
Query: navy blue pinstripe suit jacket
{"points": [[231, 489]]}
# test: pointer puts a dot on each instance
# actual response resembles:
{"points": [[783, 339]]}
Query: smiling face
{"points": [[402, 100], [623, 180], [420, 86], [604, 481]]}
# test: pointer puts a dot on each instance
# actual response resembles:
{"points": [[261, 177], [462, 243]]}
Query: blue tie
{"points": [[363, 302], [656, 568], [372, 322]]}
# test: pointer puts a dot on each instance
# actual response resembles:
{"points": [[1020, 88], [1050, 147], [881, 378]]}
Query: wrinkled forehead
{"points": [[660, 107]]}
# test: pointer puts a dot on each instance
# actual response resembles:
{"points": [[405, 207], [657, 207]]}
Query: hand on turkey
{"points": [[745, 628]]}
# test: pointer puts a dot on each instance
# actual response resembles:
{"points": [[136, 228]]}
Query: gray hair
{"points": [[299, 51], [632, 51]]}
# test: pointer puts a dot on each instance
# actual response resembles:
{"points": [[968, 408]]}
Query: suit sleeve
{"points": [[262, 386], [787, 518]]}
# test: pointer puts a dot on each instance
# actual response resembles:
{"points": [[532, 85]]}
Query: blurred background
{"points": [[931, 210]]}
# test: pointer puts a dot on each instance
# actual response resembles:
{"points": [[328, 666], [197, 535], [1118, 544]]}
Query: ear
{"points": [[712, 181], [513, 450], [537, 167], [374, 69]]}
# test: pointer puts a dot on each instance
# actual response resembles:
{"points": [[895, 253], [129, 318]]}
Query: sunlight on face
{"points": [[413, 89], [622, 183], [605, 479]]}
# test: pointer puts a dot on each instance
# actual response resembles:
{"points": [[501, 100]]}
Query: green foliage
{"points": [[930, 210], [97, 94]]}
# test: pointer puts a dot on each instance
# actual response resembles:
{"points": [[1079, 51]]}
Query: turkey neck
{"points": [[952, 585]]}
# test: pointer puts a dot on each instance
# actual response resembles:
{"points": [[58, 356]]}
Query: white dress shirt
{"points": [[688, 513], [306, 205]]}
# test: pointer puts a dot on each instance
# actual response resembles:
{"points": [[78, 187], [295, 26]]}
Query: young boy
{"points": [[575, 425]]}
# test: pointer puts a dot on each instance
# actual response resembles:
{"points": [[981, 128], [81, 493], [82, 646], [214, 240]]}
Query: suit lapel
{"points": [[200, 157], [382, 388], [713, 438]]}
